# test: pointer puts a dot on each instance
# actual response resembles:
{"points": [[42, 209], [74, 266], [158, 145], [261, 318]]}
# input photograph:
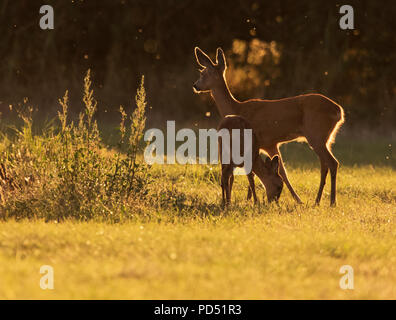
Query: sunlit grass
{"points": [[192, 249], [113, 227]]}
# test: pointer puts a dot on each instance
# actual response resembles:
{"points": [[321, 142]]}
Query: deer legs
{"points": [[324, 169], [327, 162], [282, 172], [227, 178], [252, 188]]}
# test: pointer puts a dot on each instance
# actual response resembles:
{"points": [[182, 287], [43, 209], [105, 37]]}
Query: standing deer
{"points": [[312, 117], [266, 171]]}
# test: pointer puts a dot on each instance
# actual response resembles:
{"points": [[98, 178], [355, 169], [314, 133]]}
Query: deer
{"points": [[266, 171], [313, 118]]}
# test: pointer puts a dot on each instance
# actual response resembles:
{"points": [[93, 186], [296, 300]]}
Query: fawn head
{"points": [[211, 74], [267, 172]]}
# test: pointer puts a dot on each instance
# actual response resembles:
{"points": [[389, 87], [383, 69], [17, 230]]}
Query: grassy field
{"points": [[192, 249], [113, 227]]}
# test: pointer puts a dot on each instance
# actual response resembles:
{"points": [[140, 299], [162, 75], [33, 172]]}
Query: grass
{"points": [[286, 252], [113, 227]]}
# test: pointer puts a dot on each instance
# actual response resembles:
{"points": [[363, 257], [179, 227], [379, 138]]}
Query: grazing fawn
{"points": [[266, 171], [311, 117]]}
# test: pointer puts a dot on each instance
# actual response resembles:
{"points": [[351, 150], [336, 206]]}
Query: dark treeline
{"points": [[274, 48]]}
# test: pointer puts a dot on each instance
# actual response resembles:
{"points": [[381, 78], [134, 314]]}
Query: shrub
{"points": [[67, 172]]}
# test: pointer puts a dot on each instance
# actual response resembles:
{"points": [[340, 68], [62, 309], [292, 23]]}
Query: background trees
{"points": [[274, 48]]}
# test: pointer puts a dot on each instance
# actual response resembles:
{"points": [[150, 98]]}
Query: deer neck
{"points": [[226, 103]]}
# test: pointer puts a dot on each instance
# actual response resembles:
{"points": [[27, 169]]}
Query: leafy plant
{"points": [[69, 170]]}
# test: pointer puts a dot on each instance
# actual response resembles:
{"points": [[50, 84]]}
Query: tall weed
{"points": [[66, 171]]}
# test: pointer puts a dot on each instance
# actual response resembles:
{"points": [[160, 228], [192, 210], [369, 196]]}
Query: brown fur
{"points": [[312, 117], [266, 171]]}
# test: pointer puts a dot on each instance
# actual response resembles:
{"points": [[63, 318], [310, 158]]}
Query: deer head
{"points": [[212, 74], [267, 172]]}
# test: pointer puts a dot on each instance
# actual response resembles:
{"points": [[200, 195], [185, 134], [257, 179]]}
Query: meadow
{"points": [[70, 204]]}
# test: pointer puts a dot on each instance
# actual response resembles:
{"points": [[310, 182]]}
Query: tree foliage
{"points": [[274, 48]]}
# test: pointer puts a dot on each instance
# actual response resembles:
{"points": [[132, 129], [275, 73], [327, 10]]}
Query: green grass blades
{"points": [[292, 253], [186, 247], [112, 227]]}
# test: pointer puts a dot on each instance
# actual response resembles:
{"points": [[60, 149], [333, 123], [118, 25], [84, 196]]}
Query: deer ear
{"points": [[202, 58], [220, 58], [275, 164]]}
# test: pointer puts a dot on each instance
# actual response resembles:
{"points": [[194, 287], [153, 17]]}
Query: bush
{"points": [[67, 172]]}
